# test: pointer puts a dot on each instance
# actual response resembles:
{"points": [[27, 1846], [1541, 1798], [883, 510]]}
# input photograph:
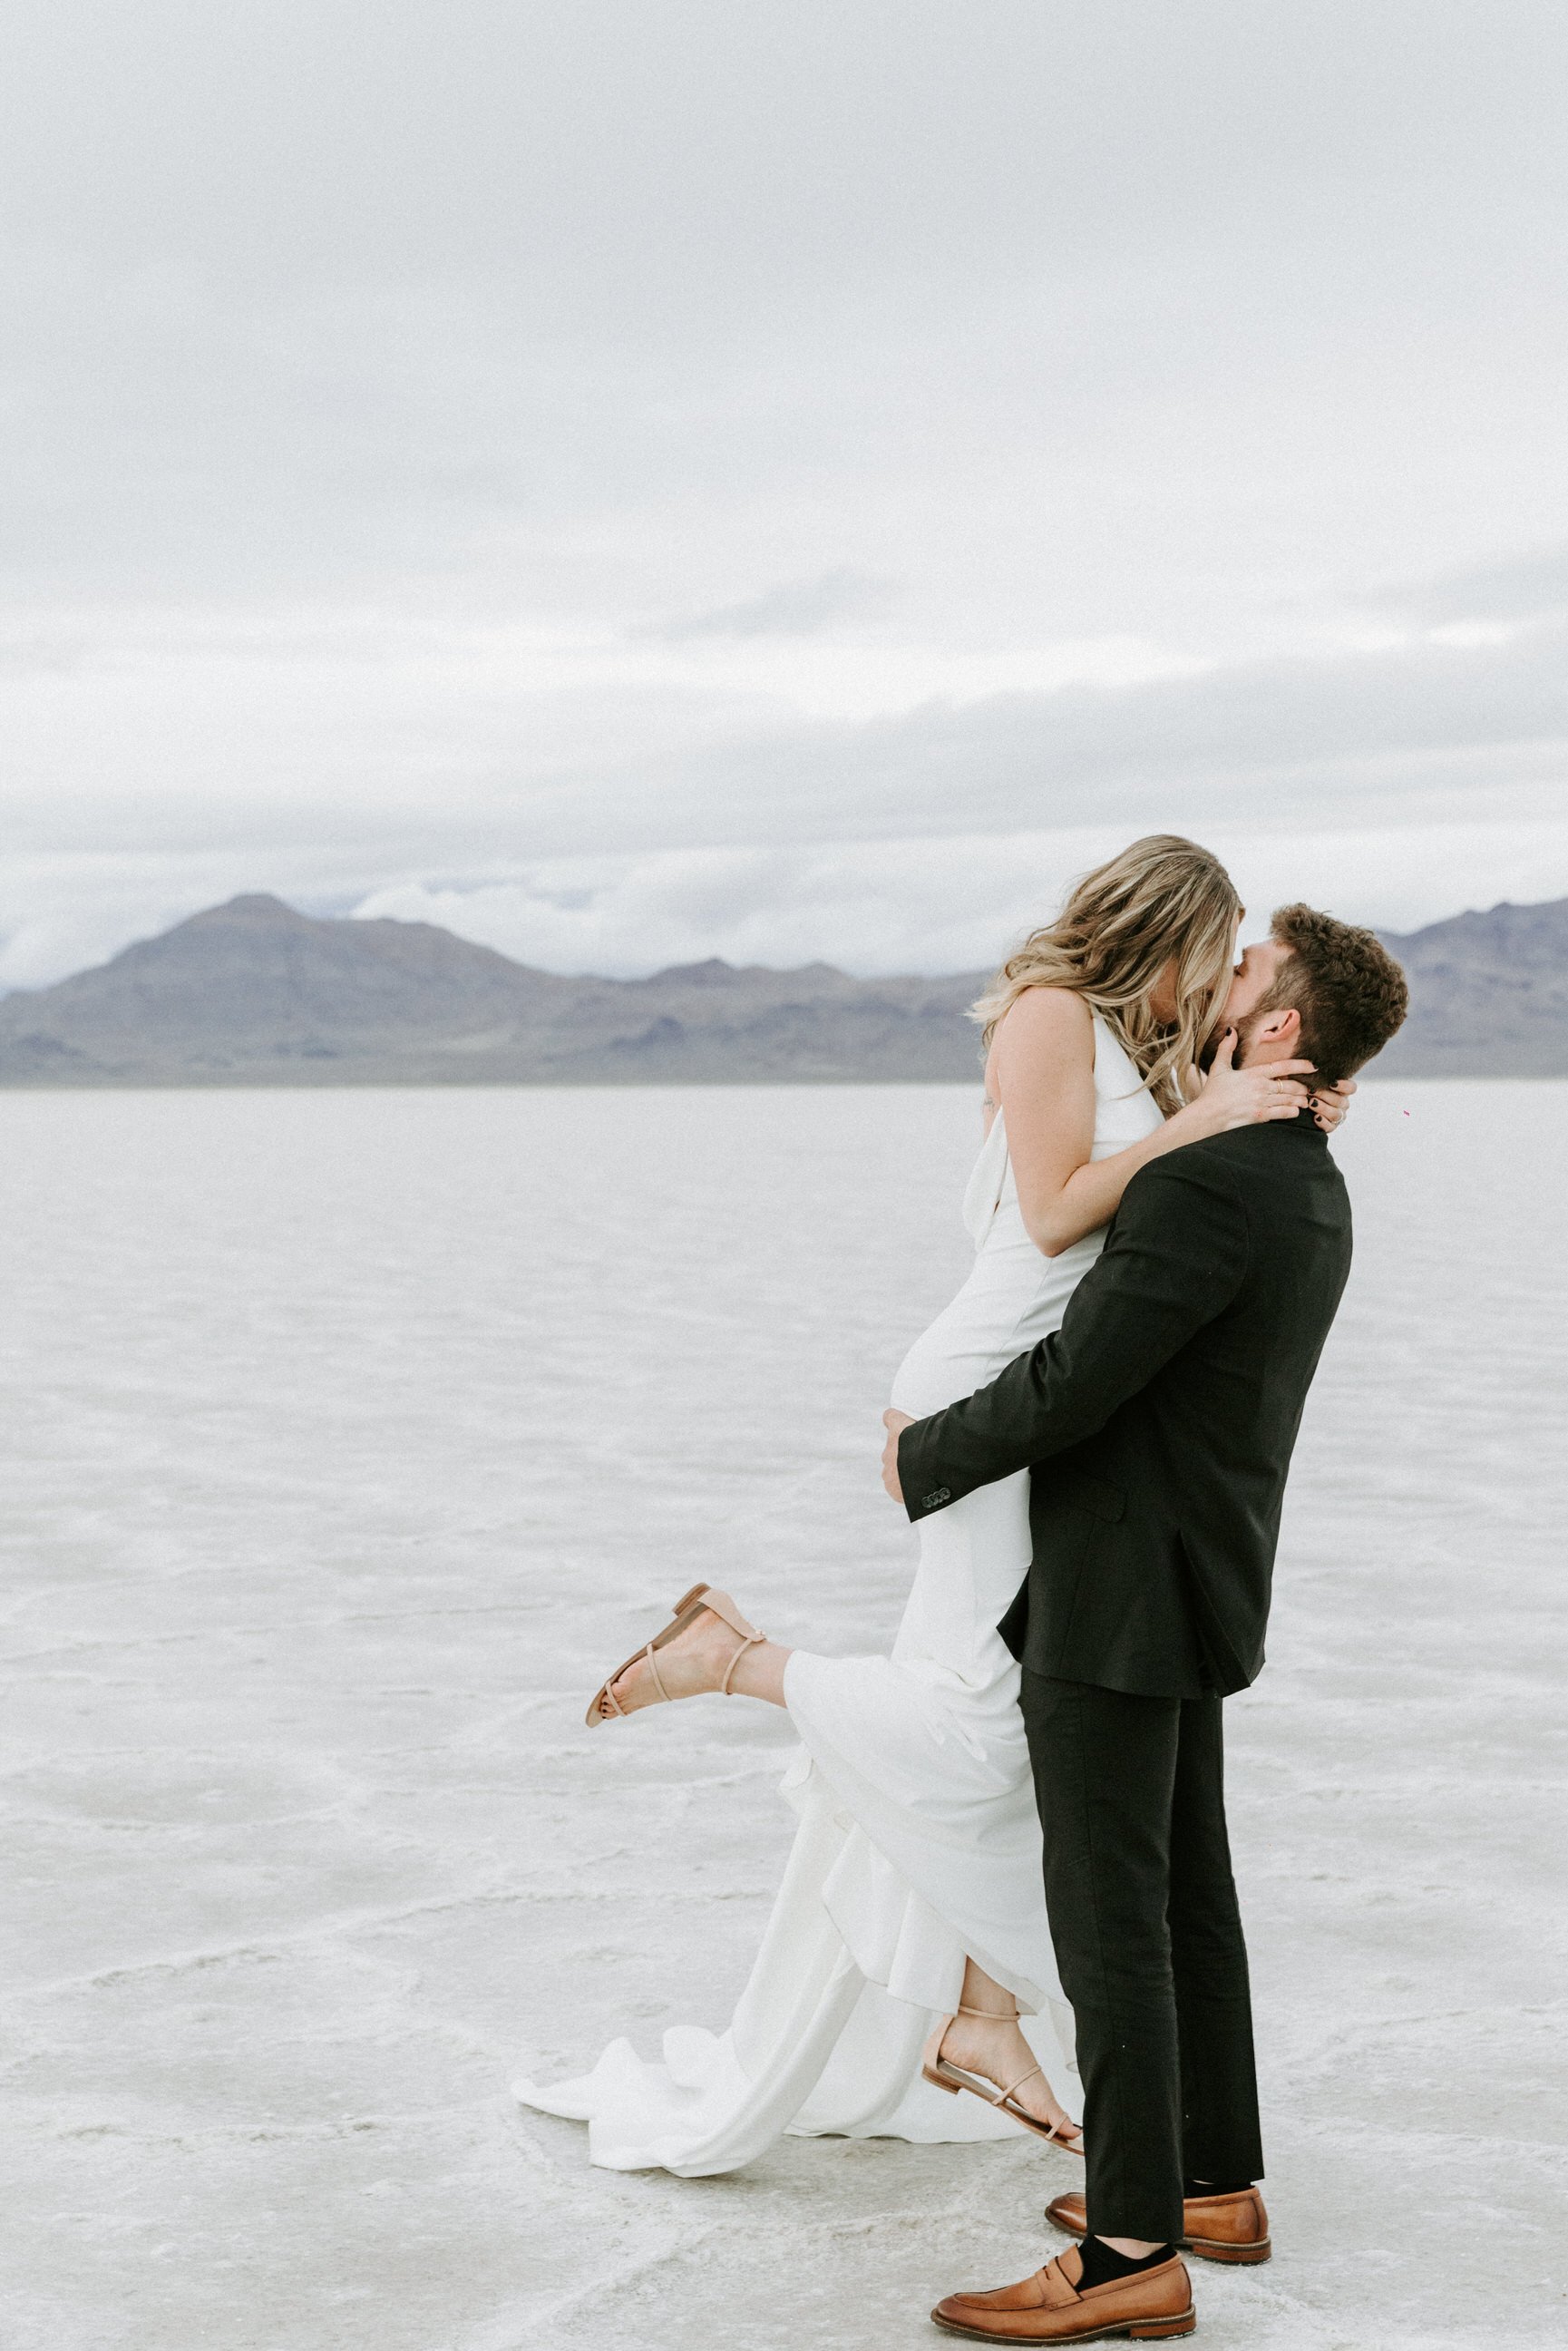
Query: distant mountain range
{"points": [[252, 993]]}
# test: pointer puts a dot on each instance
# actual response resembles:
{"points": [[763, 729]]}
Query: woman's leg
{"points": [[696, 1662], [992, 2045], [989, 2042]]}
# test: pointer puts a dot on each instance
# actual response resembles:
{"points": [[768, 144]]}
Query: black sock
{"points": [[1102, 2266], [1215, 2187]]}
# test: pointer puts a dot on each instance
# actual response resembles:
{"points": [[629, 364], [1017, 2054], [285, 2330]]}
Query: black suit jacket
{"points": [[1158, 1422]]}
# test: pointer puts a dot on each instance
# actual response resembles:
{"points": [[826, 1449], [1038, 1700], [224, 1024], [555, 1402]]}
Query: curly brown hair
{"points": [[1350, 993]]}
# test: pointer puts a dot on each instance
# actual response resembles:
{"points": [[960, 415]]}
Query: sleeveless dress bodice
{"points": [[1016, 1296]]}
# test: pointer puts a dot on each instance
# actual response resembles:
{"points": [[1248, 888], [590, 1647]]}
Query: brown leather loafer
{"points": [[1218, 2228], [1048, 2308]]}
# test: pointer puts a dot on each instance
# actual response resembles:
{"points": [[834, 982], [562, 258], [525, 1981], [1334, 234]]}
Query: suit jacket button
{"points": [[943, 1494]]}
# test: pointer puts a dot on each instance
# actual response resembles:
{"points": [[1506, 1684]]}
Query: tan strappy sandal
{"points": [[685, 1612], [942, 2075]]}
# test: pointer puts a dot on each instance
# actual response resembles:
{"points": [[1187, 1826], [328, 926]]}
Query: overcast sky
{"points": [[634, 481]]}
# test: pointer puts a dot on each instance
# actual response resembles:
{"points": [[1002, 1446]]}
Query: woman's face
{"points": [[1162, 995]]}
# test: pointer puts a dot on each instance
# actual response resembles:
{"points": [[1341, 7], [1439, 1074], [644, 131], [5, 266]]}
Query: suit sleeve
{"points": [[1175, 1258]]}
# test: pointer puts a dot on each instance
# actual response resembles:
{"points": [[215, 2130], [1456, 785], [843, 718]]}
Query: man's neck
{"points": [[1306, 1121]]}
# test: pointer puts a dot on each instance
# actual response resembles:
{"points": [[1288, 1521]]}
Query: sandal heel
{"points": [[931, 2068]]}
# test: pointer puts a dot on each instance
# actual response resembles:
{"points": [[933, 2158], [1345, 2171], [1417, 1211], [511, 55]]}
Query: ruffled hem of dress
{"points": [[895, 1936]]}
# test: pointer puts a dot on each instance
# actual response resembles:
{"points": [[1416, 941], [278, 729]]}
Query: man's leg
{"points": [[1104, 1771], [1221, 2140]]}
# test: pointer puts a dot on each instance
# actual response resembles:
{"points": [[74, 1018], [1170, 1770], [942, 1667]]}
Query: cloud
{"points": [[446, 444], [1462, 728], [956, 903], [933, 903], [918, 840], [1530, 586], [796, 609], [288, 748]]}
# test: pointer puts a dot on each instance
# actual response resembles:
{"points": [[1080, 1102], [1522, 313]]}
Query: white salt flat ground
{"points": [[350, 1436]]}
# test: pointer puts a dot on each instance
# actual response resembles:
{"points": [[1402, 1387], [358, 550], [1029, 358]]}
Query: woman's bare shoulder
{"points": [[1050, 1018], [1044, 1041]]}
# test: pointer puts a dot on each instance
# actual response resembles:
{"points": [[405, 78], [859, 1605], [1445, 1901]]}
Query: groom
{"points": [[1157, 1425]]}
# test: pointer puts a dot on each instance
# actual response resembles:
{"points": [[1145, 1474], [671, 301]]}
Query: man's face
{"points": [[1254, 977]]}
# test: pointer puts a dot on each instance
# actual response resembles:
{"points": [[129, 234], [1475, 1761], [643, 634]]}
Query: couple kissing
{"points": [[1011, 1884]]}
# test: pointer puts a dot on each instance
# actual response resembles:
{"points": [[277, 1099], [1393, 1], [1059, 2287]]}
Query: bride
{"points": [[907, 1956]]}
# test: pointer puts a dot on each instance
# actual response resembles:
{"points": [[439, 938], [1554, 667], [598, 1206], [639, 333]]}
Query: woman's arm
{"points": [[1042, 1072]]}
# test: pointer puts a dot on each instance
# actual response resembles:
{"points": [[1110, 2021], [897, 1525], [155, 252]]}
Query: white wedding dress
{"points": [[918, 1843]]}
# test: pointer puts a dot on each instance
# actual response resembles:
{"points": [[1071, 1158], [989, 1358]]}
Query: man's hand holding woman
{"points": [[895, 1423]]}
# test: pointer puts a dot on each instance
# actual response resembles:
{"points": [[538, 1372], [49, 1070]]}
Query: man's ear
{"points": [[1281, 1028]]}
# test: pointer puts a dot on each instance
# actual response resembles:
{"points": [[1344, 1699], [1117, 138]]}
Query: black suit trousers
{"points": [[1143, 1916]]}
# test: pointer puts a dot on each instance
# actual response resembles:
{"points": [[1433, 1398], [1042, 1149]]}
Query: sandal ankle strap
{"points": [[749, 1641]]}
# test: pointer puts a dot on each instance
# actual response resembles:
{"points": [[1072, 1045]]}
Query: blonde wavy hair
{"points": [[1161, 899]]}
